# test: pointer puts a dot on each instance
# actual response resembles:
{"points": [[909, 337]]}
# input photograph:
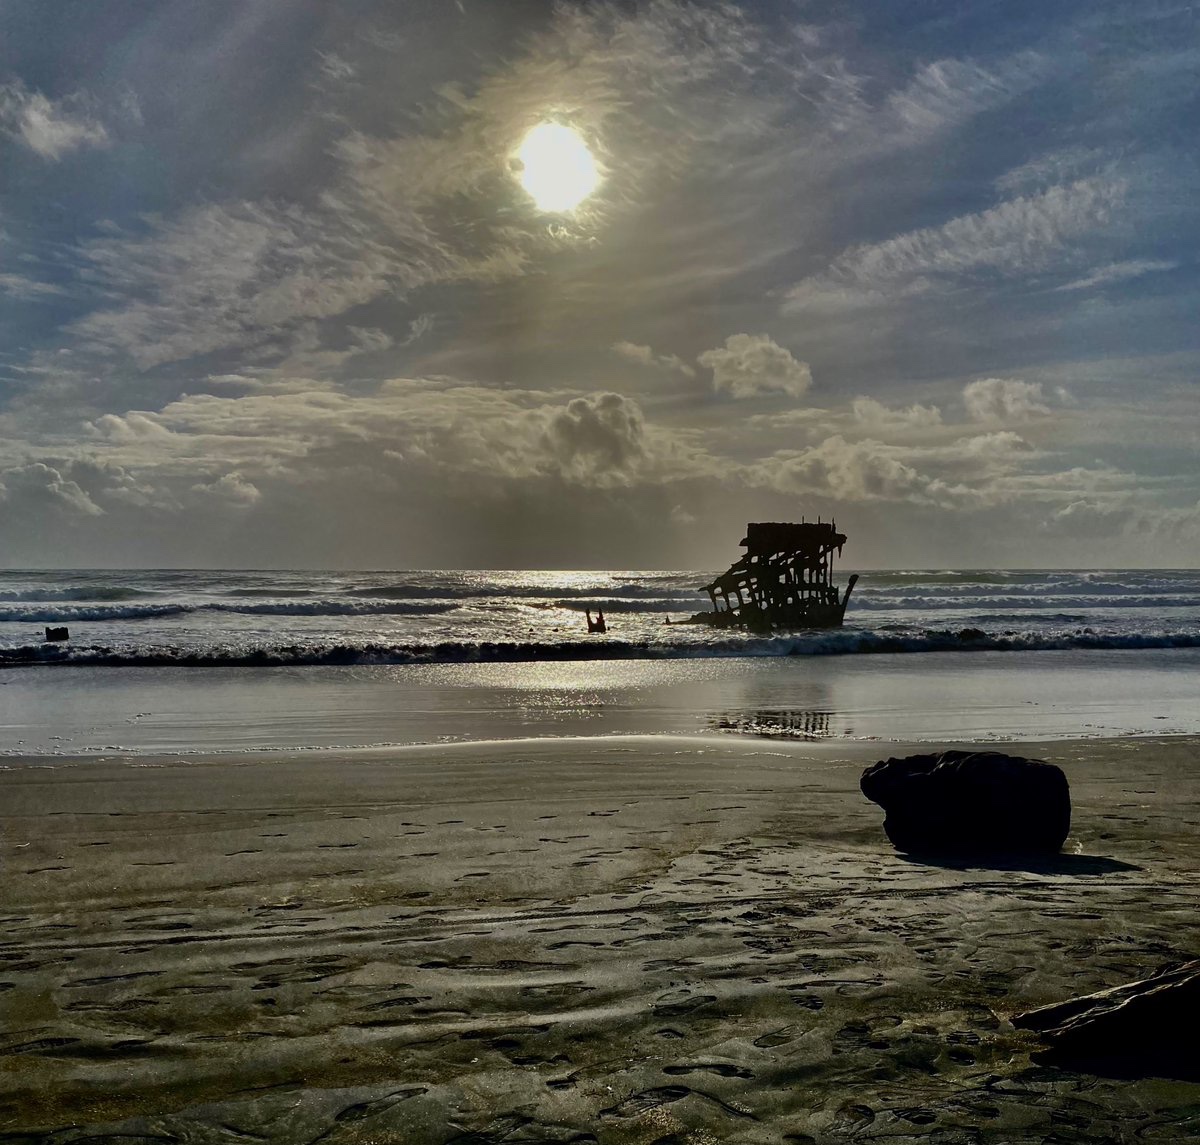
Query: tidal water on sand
{"points": [[181, 660]]}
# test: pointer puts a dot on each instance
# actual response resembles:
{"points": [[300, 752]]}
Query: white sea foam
{"points": [[203, 617]]}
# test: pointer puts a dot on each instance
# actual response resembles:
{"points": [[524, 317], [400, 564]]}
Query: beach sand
{"points": [[634, 939]]}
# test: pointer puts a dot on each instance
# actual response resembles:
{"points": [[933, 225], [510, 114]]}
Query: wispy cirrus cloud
{"points": [[22, 287], [1024, 236], [948, 92], [1116, 272]]}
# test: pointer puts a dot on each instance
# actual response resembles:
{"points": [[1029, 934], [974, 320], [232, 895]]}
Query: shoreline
{"points": [[987, 697], [631, 937], [867, 746]]}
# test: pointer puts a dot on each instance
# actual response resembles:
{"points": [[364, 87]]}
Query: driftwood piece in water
{"points": [[1145, 1028], [971, 802]]}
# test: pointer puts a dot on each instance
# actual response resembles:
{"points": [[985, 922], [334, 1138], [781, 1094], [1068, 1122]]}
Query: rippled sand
{"points": [[648, 940]]}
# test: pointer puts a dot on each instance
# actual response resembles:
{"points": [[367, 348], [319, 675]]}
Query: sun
{"points": [[557, 169]]}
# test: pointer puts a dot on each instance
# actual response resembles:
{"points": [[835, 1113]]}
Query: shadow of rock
{"points": [[1170, 1065], [1033, 864]]}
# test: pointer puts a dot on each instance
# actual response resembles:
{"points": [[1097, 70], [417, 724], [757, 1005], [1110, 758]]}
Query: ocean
{"points": [[206, 660]]}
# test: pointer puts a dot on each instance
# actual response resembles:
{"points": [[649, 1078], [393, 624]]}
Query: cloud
{"points": [[37, 488], [222, 276], [135, 426], [1003, 399], [865, 470], [870, 412], [600, 439], [436, 432], [1049, 170], [26, 289], [230, 489], [49, 128], [753, 365], [967, 473], [948, 92], [1022, 236], [647, 357], [1119, 272], [431, 200]]}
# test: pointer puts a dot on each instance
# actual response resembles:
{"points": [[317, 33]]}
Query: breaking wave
{"points": [[54, 614], [97, 592], [839, 642]]}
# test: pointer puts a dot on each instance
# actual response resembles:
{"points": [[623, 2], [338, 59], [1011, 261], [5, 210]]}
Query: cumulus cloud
{"points": [[231, 489], [40, 488], [596, 439], [871, 412], [969, 472], [435, 431], [1003, 399], [754, 365], [136, 425], [49, 128], [851, 471], [646, 356]]}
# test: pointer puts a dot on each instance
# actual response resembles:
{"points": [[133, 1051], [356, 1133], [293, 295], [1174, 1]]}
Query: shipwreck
{"points": [[785, 580]]}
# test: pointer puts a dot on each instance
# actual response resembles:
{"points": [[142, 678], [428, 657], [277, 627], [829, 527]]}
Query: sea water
{"points": [[180, 660]]}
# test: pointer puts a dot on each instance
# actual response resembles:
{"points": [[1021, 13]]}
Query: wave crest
{"points": [[839, 642]]}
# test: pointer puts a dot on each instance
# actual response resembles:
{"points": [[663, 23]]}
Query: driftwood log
{"points": [[1143, 1028], [971, 802]]}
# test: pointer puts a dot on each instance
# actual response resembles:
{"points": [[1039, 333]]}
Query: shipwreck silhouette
{"points": [[783, 581]]}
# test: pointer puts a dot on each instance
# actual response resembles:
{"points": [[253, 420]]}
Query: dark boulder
{"points": [[1141, 1029], [53, 634], [971, 802]]}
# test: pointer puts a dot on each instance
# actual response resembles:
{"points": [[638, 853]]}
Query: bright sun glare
{"points": [[557, 169]]}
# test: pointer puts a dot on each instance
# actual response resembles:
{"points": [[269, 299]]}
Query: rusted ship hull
{"points": [[783, 582], [767, 620]]}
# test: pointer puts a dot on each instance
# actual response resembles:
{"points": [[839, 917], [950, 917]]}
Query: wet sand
{"points": [[637, 939]]}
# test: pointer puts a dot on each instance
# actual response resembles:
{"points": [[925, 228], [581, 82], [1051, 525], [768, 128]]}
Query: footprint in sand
{"points": [[719, 1068], [38, 1045], [647, 1100], [363, 1109]]}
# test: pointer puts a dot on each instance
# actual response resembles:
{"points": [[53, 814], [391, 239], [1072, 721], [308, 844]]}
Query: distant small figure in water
{"points": [[598, 624], [57, 634]]}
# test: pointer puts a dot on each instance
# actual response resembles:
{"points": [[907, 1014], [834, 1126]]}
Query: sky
{"points": [[278, 289]]}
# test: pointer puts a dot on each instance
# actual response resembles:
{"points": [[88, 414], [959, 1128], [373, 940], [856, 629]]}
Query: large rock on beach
{"points": [[1143, 1028], [971, 802]]}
